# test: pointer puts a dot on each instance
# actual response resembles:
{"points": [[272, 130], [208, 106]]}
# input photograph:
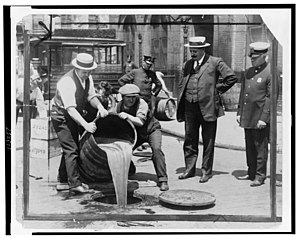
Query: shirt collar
{"points": [[200, 61]]}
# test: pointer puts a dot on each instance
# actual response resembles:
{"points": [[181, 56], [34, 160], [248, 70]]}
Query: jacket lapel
{"points": [[204, 65]]}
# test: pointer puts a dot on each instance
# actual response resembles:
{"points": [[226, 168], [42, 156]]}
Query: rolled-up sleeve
{"points": [[67, 88], [142, 110], [92, 91]]}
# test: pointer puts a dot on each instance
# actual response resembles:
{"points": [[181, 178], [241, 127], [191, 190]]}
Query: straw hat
{"points": [[84, 61], [197, 42]]}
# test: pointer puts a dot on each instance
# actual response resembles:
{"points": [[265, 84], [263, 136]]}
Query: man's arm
{"points": [[265, 115], [94, 101], [229, 77], [135, 120], [126, 78], [88, 126], [141, 114], [159, 75], [102, 112], [157, 83]]}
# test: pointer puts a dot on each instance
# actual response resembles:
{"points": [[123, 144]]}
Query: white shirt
{"points": [[200, 61], [36, 94], [67, 89]]}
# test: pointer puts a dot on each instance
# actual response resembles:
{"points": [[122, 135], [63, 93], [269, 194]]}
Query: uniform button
{"points": [[245, 103], [252, 78], [246, 95]]}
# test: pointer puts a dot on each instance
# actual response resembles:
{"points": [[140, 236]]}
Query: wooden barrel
{"points": [[165, 108], [93, 165]]}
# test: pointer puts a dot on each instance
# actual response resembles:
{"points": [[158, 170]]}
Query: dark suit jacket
{"points": [[209, 86], [254, 102]]}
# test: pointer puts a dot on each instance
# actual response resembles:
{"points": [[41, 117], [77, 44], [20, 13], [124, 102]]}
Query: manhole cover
{"points": [[112, 200], [187, 197]]}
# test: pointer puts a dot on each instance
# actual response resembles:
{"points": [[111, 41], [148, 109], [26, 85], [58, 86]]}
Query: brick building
{"points": [[164, 36]]}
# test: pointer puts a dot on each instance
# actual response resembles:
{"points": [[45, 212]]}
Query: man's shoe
{"points": [[245, 177], [186, 175], [164, 186], [62, 186], [204, 178], [257, 183], [80, 189]]}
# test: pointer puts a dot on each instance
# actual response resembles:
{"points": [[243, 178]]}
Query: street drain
{"points": [[111, 199]]}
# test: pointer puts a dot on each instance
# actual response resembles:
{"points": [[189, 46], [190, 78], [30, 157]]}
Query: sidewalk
{"points": [[229, 134]]}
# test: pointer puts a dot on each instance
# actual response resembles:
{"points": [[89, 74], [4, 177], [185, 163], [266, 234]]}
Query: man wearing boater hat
{"points": [[199, 104], [74, 91], [144, 78], [135, 109], [254, 112]]}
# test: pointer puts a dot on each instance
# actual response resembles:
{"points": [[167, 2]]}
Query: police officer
{"points": [[144, 78], [254, 112]]}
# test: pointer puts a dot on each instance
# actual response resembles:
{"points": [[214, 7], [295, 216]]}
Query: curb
{"points": [[218, 145]]}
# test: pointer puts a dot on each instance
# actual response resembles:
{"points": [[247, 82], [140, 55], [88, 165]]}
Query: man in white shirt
{"points": [[74, 91], [36, 97], [136, 110]]}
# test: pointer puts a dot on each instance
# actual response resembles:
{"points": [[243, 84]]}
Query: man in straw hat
{"points": [[254, 112], [74, 90], [135, 109], [199, 104]]}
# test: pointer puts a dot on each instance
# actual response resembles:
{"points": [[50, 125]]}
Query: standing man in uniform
{"points": [[144, 78], [148, 128], [199, 104], [254, 113], [74, 91]]}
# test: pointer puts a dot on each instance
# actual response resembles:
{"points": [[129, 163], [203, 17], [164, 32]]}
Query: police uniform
{"points": [[144, 79], [254, 106]]}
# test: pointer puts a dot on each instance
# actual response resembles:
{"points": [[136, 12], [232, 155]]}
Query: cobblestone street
{"points": [[235, 199]]}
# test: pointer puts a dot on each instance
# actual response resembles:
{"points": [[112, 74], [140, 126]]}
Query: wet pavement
{"points": [[235, 200]]}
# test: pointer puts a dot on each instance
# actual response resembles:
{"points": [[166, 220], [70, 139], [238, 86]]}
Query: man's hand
{"points": [[123, 115], [238, 119], [102, 112], [261, 124], [90, 127]]}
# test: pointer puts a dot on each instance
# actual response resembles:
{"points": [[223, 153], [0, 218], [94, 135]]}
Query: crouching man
{"points": [[136, 110]]}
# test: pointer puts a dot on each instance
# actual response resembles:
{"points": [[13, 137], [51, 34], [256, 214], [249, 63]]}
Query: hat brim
{"points": [[197, 46], [80, 67]]}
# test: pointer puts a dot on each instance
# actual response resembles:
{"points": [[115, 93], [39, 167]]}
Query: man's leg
{"points": [[261, 145], [68, 137], [251, 153], [158, 156], [209, 130], [191, 138]]}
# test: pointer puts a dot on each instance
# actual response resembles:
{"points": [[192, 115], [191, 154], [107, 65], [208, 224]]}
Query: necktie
{"points": [[197, 66]]}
